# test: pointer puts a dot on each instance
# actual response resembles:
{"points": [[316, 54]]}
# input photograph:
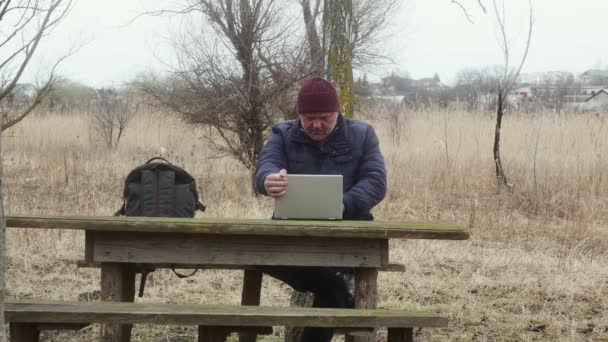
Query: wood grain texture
{"points": [[358, 229], [213, 315], [179, 248], [91, 264], [252, 290], [117, 285], [366, 296]]}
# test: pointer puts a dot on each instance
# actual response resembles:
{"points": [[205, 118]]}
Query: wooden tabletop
{"points": [[338, 229]]}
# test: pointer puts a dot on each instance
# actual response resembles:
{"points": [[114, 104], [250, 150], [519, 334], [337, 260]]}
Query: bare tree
{"points": [[111, 112], [24, 24], [310, 16], [237, 81], [368, 25], [507, 78], [506, 81], [351, 33]]}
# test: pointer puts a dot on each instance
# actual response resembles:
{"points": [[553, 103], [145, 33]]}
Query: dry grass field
{"points": [[535, 268]]}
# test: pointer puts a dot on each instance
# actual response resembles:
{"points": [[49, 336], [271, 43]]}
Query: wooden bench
{"points": [[216, 322], [119, 244]]}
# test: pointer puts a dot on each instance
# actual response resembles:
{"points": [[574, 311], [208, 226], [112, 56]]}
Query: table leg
{"points": [[252, 289], [24, 332], [117, 285], [366, 296], [400, 335], [212, 334]]}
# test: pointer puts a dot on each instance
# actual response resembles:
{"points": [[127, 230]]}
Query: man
{"points": [[322, 141]]}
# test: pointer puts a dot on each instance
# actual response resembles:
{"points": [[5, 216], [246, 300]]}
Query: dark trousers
{"points": [[334, 287]]}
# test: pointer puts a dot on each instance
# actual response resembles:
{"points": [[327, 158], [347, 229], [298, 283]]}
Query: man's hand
{"points": [[276, 183]]}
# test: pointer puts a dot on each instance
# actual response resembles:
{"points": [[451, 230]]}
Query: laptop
{"points": [[310, 197]]}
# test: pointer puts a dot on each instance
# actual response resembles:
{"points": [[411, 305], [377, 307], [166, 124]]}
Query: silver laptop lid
{"points": [[311, 197]]}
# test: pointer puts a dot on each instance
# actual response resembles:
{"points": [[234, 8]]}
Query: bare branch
{"points": [[464, 10], [513, 78], [32, 21]]}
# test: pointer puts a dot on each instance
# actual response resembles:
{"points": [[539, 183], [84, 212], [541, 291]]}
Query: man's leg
{"points": [[333, 288]]}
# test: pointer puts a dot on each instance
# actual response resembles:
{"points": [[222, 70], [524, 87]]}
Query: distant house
{"points": [[524, 92], [430, 84], [390, 99], [597, 101], [594, 76]]}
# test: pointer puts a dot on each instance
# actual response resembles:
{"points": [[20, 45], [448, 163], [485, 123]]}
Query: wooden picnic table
{"points": [[117, 244]]}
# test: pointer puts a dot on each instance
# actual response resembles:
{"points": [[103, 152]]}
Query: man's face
{"points": [[318, 126]]}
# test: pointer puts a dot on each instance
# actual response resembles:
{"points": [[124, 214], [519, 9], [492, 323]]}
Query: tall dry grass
{"points": [[535, 268]]}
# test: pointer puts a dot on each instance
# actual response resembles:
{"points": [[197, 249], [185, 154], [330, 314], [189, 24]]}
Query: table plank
{"points": [[358, 229], [214, 315], [179, 248]]}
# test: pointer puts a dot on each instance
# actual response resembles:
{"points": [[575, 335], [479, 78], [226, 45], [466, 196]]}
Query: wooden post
{"points": [[366, 295], [252, 290], [212, 334], [117, 285], [400, 335], [89, 243], [24, 332]]}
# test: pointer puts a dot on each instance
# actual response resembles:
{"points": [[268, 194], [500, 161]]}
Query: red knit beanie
{"points": [[317, 95]]}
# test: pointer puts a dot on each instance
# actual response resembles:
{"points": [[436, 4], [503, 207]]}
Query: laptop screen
{"points": [[310, 197]]}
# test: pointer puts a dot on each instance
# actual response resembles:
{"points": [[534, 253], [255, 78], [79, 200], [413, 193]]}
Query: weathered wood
{"points": [[367, 332], [213, 315], [178, 248], [60, 326], [24, 332], [212, 334], [384, 252], [252, 330], [89, 239], [92, 264], [400, 335], [356, 229], [366, 295], [117, 285], [252, 289]]}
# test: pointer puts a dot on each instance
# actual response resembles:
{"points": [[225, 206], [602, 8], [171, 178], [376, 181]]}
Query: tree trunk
{"points": [[338, 48], [314, 44], [2, 249], [501, 178]]}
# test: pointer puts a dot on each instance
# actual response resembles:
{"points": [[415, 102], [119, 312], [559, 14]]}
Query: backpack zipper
{"points": [[157, 193]]}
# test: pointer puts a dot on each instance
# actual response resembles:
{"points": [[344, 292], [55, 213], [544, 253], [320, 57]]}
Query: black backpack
{"points": [[159, 190]]}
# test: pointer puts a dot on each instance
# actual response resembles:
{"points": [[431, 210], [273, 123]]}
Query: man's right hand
{"points": [[276, 183]]}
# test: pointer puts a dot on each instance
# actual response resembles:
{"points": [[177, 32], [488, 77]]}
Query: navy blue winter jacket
{"points": [[352, 150]]}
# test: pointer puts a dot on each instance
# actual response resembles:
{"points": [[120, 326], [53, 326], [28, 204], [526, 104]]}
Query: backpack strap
{"points": [[182, 276], [159, 158], [122, 210], [200, 206]]}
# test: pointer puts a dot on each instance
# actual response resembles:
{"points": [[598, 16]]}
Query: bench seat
{"points": [[215, 322]]}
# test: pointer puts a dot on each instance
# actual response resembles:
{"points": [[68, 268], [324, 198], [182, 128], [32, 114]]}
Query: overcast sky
{"points": [[428, 36]]}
